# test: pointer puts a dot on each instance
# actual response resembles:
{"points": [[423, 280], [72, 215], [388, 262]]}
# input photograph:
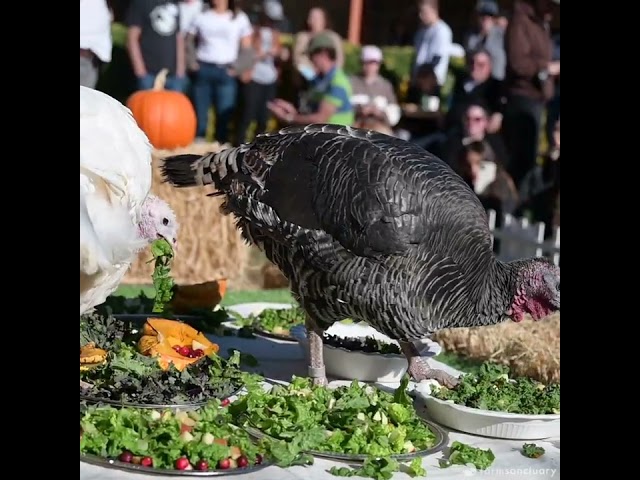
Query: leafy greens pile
{"points": [[119, 304], [278, 321], [381, 469], [531, 450], [491, 388], [463, 454], [209, 321], [354, 419], [131, 377], [209, 435], [358, 344]]}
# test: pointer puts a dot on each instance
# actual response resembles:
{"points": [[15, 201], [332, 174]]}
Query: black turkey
{"points": [[374, 228]]}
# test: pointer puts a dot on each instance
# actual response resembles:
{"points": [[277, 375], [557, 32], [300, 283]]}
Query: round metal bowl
{"points": [[139, 319], [264, 333], [442, 439], [131, 467]]}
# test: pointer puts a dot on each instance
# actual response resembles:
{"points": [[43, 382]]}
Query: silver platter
{"points": [[140, 319], [264, 333], [442, 440], [132, 467]]}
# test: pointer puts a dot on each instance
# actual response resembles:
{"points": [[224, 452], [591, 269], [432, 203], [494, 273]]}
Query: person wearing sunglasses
{"points": [[477, 84], [475, 123]]}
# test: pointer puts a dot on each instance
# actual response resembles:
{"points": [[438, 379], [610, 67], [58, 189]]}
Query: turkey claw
{"points": [[420, 371]]}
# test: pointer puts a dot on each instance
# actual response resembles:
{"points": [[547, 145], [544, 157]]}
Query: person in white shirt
{"points": [[433, 40], [189, 10], [373, 97], [95, 39], [220, 33]]}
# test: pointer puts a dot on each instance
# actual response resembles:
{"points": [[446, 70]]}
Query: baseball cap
{"points": [[273, 9], [371, 53], [321, 40], [487, 7]]}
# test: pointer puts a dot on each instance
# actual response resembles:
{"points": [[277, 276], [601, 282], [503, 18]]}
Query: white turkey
{"points": [[371, 227], [118, 216]]}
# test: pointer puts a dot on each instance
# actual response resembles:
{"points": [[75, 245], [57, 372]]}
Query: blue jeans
{"points": [[173, 83], [214, 86]]}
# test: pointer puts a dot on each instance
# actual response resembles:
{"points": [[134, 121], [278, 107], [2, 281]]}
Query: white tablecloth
{"points": [[279, 360]]}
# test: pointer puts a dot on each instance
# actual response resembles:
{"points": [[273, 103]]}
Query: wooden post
{"points": [[355, 21]]}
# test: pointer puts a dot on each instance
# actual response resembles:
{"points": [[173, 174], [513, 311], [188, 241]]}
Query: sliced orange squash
{"points": [[160, 337]]}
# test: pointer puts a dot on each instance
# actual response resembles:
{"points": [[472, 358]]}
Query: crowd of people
{"points": [[488, 129]]}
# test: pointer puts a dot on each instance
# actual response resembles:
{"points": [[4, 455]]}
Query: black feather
{"points": [[179, 170]]}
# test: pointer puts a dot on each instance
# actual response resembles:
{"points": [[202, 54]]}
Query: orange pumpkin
{"points": [[199, 296], [161, 336], [167, 117]]}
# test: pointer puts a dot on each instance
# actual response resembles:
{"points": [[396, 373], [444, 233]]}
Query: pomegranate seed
{"points": [[146, 462], [126, 457], [198, 352], [182, 463], [177, 348], [225, 402], [184, 351], [259, 459], [242, 461], [224, 464], [202, 465]]}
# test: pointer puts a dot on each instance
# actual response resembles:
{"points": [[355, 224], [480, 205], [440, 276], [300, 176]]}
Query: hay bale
{"points": [[529, 348], [209, 245]]}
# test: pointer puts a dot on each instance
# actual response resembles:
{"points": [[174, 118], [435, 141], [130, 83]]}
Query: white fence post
{"points": [[520, 239]]}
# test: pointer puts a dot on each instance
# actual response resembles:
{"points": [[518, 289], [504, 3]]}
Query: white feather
{"points": [[115, 179]]}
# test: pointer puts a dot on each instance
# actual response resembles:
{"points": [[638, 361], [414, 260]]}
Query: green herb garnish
{"points": [[531, 450], [463, 454], [491, 388], [162, 281]]}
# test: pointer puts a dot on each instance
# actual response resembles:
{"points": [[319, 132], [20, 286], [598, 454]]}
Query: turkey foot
{"points": [[316, 355], [420, 370]]}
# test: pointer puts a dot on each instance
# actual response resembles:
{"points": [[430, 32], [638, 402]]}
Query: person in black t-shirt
{"points": [[154, 42]]}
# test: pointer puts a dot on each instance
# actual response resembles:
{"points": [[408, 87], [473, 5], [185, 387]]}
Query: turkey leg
{"points": [[420, 370], [316, 355]]}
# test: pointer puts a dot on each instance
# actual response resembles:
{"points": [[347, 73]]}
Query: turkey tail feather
{"points": [[190, 170], [184, 170]]}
